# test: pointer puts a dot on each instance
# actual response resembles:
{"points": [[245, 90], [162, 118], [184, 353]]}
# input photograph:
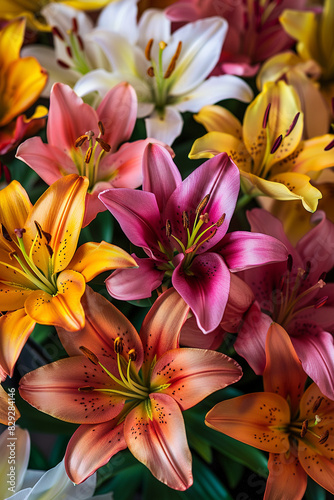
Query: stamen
{"points": [[321, 302], [88, 155], [5, 233], [266, 116], [172, 63], [101, 127], [277, 144], [80, 141], [220, 220], [69, 51], [329, 146], [132, 355], [202, 204], [324, 437], [118, 345], [49, 249], [150, 71], [89, 354], [74, 25], [90, 134], [293, 124], [86, 389], [185, 220], [162, 45], [63, 64], [148, 49], [204, 218], [19, 232], [168, 228], [317, 403], [58, 33], [41, 232], [304, 428], [104, 145]]}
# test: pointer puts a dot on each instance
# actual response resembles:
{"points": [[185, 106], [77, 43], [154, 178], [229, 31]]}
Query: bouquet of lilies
{"points": [[167, 249]]}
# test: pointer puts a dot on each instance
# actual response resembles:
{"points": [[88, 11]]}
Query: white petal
{"points": [[18, 448], [98, 80], [20, 495], [31, 477], [153, 24], [213, 90], [164, 129], [120, 17], [60, 15]]}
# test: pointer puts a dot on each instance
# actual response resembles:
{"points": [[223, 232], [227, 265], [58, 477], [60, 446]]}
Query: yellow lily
{"points": [[42, 276], [22, 81], [32, 10], [272, 159]]}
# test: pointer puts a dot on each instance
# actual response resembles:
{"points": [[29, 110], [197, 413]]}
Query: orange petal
{"points": [[15, 328], [14, 209], [258, 419], [11, 40], [318, 460], [92, 259], [283, 373], [287, 478], [155, 434], [64, 309]]}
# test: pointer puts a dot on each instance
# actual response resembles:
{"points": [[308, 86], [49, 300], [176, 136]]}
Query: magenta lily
{"points": [[296, 297], [91, 143], [131, 390], [182, 228]]}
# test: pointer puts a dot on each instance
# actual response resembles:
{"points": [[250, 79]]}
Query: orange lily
{"points": [[296, 430], [42, 279], [22, 81], [268, 148], [131, 390]]}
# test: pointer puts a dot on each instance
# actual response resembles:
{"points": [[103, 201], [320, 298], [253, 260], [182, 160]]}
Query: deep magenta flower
{"points": [[181, 226], [295, 296]]}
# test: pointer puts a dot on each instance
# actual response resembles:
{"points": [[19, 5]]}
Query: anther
{"points": [[323, 438], [172, 63], [101, 127], [204, 218], [162, 45], [266, 116], [168, 228], [185, 220], [293, 124], [74, 25], [321, 283], [304, 428], [104, 145], [58, 33], [289, 263], [202, 204], [19, 232], [132, 355], [118, 345], [5, 233], [321, 302], [81, 44], [63, 64], [150, 71], [329, 146], [220, 221], [90, 134], [86, 389], [89, 354], [49, 249], [148, 49], [69, 51], [88, 154], [317, 403], [277, 144], [80, 141]]}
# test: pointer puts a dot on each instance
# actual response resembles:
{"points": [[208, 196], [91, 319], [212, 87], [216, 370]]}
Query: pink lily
{"points": [[182, 228], [91, 143], [131, 390], [294, 295]]}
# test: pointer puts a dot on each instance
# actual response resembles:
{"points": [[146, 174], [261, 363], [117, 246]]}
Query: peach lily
{"points": [[22, 81], [272, 159], [42, 278], [296, 430], [131, 390]]}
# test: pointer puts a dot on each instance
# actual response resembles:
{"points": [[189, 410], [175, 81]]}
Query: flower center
{"points": [[161, 79], [300, 428], [46, 281], [88, 160], [74, 47]]}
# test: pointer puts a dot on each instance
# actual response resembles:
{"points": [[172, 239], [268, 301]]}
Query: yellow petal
{"points": [[14, 209], [275, 67], [63, 309], [302, 26], [11, 40], [286, 186], [218, 119], [15, 328], [312, 156], [92, 259]]}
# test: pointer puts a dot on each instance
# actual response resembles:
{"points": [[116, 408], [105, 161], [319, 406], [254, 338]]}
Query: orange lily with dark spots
{"points": [[295, 428], [131, 390], [42, 279]]}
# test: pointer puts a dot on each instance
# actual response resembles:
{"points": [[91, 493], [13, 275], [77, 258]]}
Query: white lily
{"points": [[75, 53], [168, 71]]}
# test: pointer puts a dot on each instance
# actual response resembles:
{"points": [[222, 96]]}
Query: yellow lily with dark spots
{"points": [[268, 148], [42, 276]]}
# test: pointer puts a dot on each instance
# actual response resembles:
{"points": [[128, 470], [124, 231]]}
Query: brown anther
{"points": [[202, 204], [220, 221], [5, 233], [168, 228], [49, 249], [81, 44], [88, 154], [69, 51], [104, 145], [63, 64], [317, 403], [150, 71], [89, 354], [58, 33], [39, 228], [80, 141], [148, 49], [185, 220], [132, 355], [266, 116], [304, 428], [277, 144], [293, 124], [329, 146], [204, 218], [162, 45], [172, 63], [118, 345], [86, 389], [74, 25], [320, 302], [19, 232], [323, 438], [101, 127]]}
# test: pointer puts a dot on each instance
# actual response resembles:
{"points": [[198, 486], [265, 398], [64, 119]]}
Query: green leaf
{"points": [[206, 484], [200, 446], [314, 491], [233, 471]]}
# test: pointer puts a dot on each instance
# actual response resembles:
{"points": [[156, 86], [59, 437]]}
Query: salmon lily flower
{"points": [[182, 228], [272, 158], [42, 278], [131, 390], [22, 81], [91, 143], [295, 428]]}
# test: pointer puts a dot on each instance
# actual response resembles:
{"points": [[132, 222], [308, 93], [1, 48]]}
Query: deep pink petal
{"points": [[137, 213], [250, 343], [193, 374], [92, 446], [205, 288], [242, 250], [218, 177], [135, 284], [69, 117], [160, 442], [239, 301], [160, 174], [17, 130]]}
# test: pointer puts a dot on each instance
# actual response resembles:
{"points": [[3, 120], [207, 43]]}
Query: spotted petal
{"points": [[287, 478]]}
